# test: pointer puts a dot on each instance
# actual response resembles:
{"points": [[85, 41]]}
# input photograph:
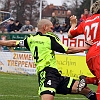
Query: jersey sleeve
{"points": [[23, 43], [26, 44], [53, 35], [58, 46], [77, 31]]}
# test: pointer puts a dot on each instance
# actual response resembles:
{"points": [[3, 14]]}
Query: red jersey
{"points": [[91, 29]]}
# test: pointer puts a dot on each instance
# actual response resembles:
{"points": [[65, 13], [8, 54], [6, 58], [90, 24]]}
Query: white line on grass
{"points": [[62, 97], [16, 78]]}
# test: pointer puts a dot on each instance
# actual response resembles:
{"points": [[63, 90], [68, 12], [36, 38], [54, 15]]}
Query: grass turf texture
{"points": [[25, 87]]}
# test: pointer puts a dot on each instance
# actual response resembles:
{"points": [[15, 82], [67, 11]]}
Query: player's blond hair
{"points": [[95, 8]]}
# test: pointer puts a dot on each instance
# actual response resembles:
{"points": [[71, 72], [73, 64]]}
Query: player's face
{"points": [[50, 27]]}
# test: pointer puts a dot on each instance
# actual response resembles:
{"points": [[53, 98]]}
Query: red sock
{"points": [[91, 80], [98, 92]]}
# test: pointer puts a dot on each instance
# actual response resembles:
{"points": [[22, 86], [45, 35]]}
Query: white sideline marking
{"points": [[16, 78], [38, 97]]}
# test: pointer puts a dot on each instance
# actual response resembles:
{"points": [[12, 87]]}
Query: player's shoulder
{"points": [[51, 34], [31, 35]]}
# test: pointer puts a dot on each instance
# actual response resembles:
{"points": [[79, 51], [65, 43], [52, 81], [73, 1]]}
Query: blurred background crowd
{"points": [[13, 25], [24, 15]]}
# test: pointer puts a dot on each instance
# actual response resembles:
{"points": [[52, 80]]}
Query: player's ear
{"points": [[45, 27]]}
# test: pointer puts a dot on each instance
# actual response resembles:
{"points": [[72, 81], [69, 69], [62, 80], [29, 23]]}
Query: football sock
{"points": [[91, 95]]}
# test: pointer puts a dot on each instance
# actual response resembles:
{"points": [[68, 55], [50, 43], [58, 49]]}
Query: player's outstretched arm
{"points": [[72, 50], [9, 43]]}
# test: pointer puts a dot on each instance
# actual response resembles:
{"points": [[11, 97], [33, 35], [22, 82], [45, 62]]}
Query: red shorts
{"points": [[94, 66]]}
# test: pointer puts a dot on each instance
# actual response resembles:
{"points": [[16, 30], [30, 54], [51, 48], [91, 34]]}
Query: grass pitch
{"points": [[23, 87]]}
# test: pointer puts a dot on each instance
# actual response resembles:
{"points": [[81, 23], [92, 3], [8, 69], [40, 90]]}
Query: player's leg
{"points": [[47, 97], [48, 81], [44, 92], [98, 92], [91, 66], [91, 80], [83, 91], [70, 86], [88, 93], [94, 66]]}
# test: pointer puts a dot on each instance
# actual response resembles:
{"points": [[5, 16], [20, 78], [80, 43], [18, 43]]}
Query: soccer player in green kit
{"points": [[43, 45]]}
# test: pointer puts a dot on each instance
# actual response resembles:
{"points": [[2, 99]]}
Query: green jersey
{"points": [[43, 47]]}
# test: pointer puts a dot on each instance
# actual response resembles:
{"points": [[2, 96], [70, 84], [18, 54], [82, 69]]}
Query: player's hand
{"points": [[73, 20]]}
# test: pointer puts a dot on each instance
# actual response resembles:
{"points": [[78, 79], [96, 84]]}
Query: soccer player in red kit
{"points": [[91, 30]]}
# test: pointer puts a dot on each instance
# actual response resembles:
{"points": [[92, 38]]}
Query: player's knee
{"points": [[79, 85], [74, 87], [47, 97], [50, 92]]}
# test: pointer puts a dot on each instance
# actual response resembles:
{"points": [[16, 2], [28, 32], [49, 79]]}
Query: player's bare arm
{"points": [[9, 43], [73, 21], [12, 43], [72, 50]]}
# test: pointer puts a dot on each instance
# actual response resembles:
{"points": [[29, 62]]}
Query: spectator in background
{"points": [[18, 26], [27, 27], [1, 29], [6, 24], [57, 27], [67, 19], [4, 29], [3, 48], [54, 19], [85, 15], [80, 20], [11, 26], [64, 28]]}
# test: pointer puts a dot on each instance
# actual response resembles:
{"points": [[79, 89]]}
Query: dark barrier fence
{"points": [[13, 36]]}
